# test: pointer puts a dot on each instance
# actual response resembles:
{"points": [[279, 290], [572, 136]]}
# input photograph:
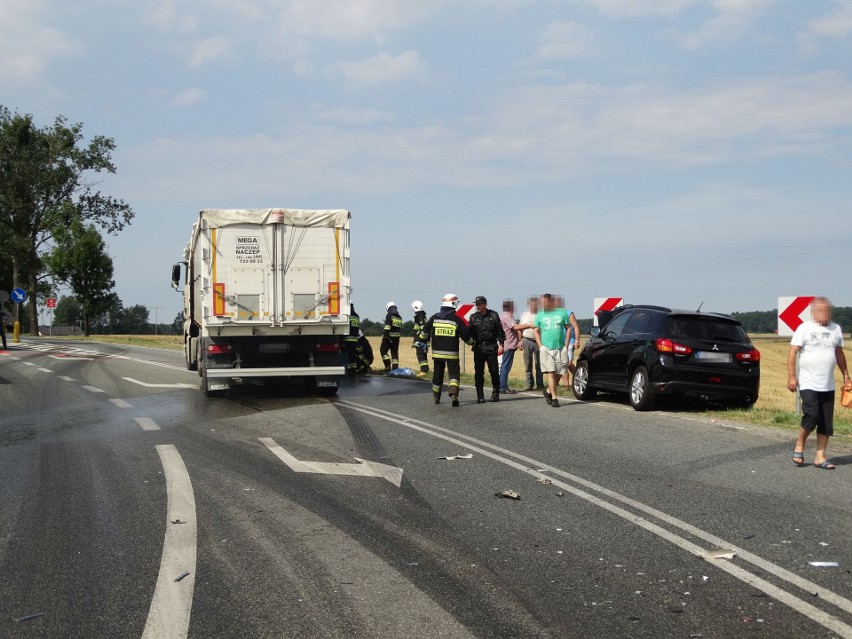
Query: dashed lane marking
{"points": [[146, 423], [121, 403], [92, 389]]}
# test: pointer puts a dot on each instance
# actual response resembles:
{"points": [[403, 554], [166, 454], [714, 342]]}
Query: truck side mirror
{"points": [[176, 276], [595, 331]]}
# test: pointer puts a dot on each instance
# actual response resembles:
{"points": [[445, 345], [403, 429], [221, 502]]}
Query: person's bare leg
{"points": [[800, 444], [822, 444], [552, 379]]}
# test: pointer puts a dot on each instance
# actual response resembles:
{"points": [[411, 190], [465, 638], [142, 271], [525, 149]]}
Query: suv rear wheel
{"points": [[641, 396], [580, 386]]}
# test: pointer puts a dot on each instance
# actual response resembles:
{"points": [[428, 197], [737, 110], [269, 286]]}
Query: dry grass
{"points": [[775, 406]]}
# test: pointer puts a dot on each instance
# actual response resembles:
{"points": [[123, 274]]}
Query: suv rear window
{"points": [[716, 330]]}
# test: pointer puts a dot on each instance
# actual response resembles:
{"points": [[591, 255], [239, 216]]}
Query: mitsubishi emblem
{"points": [[715, 347]]}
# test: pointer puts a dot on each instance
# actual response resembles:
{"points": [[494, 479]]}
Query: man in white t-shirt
{"points": [[529, 347], [819, 347]]}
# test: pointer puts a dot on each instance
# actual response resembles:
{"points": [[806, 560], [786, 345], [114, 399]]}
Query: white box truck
{"points": [[266, 294]]}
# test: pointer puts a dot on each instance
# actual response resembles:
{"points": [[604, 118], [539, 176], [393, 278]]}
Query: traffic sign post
{"points": [[605, 304], [464, 311], [792, 312], [19, 296], [51, 304]]}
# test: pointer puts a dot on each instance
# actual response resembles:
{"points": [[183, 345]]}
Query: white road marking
{"points": [[147, 385], [65, 378], [528, 465], [361, 469], [121, 403], [45, 370], [93, 389], [28, 364], [172, 601], [146, 423], [71, 357]]}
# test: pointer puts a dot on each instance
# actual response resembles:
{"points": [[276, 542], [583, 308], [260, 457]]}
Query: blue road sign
{"points": [[18, 295]]}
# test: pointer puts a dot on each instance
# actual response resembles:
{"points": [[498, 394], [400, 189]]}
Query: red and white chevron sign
{"points": [[464, 311], [606, 304], [792, 312]]}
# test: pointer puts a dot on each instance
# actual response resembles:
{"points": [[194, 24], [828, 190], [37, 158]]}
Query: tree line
{"points": [[52, 216]]}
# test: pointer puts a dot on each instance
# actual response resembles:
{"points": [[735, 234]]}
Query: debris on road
{"points": [[720, 554], [452, 457], [35, 615], [544, 480], [182, 575], [824, 564], [560, 494], [508, 494], [178, 521], [402, 372]]}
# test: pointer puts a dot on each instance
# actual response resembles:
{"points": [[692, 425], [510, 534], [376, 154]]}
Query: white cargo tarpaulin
{"points": [[335, 218]]}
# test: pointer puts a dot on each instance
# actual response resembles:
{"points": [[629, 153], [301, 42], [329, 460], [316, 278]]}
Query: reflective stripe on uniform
{"points": [[445, 355]]}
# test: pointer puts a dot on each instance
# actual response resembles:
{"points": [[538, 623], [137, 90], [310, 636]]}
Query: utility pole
{"points": [[156, 308]]}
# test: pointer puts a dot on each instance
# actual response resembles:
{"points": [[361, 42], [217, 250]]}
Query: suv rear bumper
{"points": [[708, 391]]}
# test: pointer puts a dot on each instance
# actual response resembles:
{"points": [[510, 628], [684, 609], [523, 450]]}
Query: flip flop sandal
{"points": [[798, 458], [826, 465]]}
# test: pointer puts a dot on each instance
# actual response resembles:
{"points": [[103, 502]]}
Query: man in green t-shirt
{"points": [[551, 325]]}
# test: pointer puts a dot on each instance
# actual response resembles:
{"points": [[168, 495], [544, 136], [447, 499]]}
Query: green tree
{"points": [[45, 186], [177, 324], [80, 260], [135, 320], [67, 311]]}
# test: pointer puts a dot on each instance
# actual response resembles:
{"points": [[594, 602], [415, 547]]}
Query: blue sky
{"points": [[666, 151]]}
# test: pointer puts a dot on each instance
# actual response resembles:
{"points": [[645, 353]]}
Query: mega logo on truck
{"points": [[266, 294]]}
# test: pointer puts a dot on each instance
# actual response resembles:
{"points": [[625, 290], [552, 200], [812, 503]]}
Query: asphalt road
{"points": [[131, 506]]}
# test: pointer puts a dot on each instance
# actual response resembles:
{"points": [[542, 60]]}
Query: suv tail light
{"points": [[327, 347], [218, 349], [749, 356], [667, 346]]}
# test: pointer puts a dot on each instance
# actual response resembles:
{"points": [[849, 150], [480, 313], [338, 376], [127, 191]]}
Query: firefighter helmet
{"points": [[451, 300], [389, 305], [417, 306]]}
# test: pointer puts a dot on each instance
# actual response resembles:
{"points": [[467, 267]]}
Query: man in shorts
{"points": [[819, 346], [551, 326]]}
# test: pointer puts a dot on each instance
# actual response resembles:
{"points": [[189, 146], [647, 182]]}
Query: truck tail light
{"points": [[327, 347], [749, 356], [218, 349], [667, 346]]}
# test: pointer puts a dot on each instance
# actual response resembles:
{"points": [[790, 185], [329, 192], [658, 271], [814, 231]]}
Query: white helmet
{"points": [[451, 300], [389, 305], [417, 306]]}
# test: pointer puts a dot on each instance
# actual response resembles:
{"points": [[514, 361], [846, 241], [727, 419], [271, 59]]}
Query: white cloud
{"points": [[209, 50], [28, 44], [171, 16], [527, 136], [732, 20], [636, 8], [379, 69], [191, 96], [837, 24], [564, 40]]}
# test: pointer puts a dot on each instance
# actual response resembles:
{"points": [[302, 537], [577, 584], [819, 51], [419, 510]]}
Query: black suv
{"points": [[650, 350]]}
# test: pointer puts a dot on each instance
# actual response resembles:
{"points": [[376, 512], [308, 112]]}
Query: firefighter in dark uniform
{"points": [[486, 329], [365, 354], [444, 329], [419, 321], [390, 338], [350, 342]]}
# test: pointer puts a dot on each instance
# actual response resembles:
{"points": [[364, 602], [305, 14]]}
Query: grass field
{"points": [[776, 406]]}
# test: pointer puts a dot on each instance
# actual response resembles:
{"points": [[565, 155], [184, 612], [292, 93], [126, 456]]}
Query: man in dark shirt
{"points": [[486, 329]]}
